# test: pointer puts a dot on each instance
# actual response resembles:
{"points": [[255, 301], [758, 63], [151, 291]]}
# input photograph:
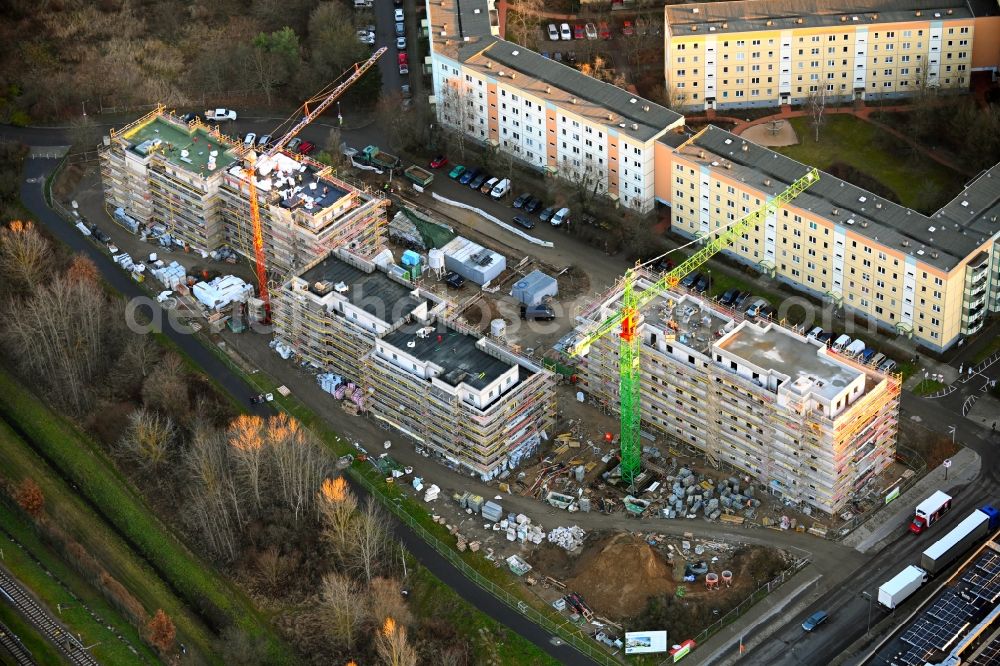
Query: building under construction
{"points": [[189, 179], [462, 396], [811, 424]]}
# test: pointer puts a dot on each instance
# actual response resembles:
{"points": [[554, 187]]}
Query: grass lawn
{"points": [[42, 652], [921, 184], [75, 456], [928, 386]]}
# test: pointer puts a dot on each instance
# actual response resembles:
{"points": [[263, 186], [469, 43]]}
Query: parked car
{"points": [[814, 620], [570, 57], [824, 337], [767, 312], [562, 215], [192, 116], [532, 204], [867, 355], [500, 190], [814, 332], [467, 177], [628, 29], [878, 359], [522, 221], [591, 31], [250, 139], [453, 279], [438, 162], [755, 307], [99, 235], [404, 90], [366, 37], [401, 43], [397, 14], [521, 200], [888, 365], [456, 172], [728, 297], [400, 30], [487, 187], [578, 32], [702, 284], [306, 147], [603, 30], [564, 32], [547, 213], [541, 312], [690, 279], [264, 141], [553, 32], [477, 182], [220, 114], [841, 342], [294, 144]]}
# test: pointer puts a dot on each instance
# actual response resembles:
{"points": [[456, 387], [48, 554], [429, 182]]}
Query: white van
{"points": [[501, 189], [841, 342], [562, 215], [855, 348]]}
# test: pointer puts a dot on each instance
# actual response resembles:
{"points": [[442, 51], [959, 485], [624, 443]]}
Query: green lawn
{"points": [[920, 183], [75, 456], [928, 386], [42, 652]]}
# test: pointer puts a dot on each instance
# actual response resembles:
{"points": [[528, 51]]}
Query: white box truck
{"points": [[902, 585]]}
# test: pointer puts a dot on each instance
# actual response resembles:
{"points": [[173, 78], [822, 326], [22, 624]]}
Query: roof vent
{"points": [[645, 107], [800, 21], [934, 255], [611, 116], [635, 126], [965, 203], [875, 16], [993, 218], [476, 11], [864, 223], [489, 64], [862, 199], [767, 182], [694, 28], [906, 243], [729, 165], [850, 221], [769, 22], [724, 25], [878, 204], [843, 19], [918, 12], [701, 154], [514, 52], [694, 11], [835, 212], [548, 89], [711, 28], [513, 75], [632, 101], [573, 100], [949, 12], [745, 147], [622, 125]]}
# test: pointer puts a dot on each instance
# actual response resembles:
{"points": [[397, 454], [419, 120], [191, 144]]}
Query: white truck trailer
{"points": [[902, 585]]}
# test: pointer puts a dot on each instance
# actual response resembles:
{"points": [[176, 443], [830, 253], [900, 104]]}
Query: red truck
{"points": [[929, 511]]}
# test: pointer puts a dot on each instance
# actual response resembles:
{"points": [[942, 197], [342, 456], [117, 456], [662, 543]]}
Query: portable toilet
{"points": [[410, 258]]}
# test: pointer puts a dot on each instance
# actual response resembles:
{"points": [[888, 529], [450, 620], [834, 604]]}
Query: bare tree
{"points": [[384, 600], [300, 462], [586, 177], [392, 645], [455, 110], [522, 22], [166, 388], [371, 548], [216, 501], [343, 606], [25, 255], [148, 438], [816, 106], [337, 505], [139, 356], [246, 437]]}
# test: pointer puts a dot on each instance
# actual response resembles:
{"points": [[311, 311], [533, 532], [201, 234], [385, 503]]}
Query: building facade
{"points": [[541, 112], [814, 427], [747, 53], [934, 278]]}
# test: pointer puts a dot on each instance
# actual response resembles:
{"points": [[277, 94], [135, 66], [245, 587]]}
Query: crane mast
{"points": [[627, 321], [324, 101]]}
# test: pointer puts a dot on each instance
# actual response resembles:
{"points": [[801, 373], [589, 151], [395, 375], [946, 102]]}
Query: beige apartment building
{"points": [[189, 179], [814, 427], [933, 278], [749, 53]]}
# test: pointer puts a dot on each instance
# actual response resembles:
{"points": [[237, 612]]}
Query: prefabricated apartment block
{"points": [[462, 396], [188, 178], [934, 278], [813, 426]]}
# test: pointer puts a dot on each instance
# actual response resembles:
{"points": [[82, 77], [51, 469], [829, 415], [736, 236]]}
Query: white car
{"points": [[562, 215], [398, 14], [250, 139], [591, 30], [565, 32], [553, 32], [220, 114], [366, 37], [401, 43]]}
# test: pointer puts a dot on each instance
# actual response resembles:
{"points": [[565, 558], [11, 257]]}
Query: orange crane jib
{"points": [[325, 100]]}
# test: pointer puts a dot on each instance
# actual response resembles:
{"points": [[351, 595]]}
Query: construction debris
{"points": [[569, 538]]}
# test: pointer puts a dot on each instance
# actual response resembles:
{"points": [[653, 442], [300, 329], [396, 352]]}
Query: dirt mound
{"points": [[617, 576]]}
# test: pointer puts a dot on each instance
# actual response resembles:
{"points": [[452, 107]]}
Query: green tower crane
{"points": [[627, 321]]}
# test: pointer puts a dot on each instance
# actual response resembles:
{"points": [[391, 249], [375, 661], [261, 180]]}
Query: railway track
{"points": [[12, 644], [42, 620]]}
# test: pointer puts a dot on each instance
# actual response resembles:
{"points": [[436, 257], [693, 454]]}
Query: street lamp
{"points": [[869, 597], [951, 431], [340, 118]]}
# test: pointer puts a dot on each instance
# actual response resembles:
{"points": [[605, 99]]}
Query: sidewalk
{"points": [[965, 468]]}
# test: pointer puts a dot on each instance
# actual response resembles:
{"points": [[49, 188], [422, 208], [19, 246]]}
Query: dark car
{"points": [[814, 620], [521, 200], [728, 297], [455, 280], [570, 57], [523, 221], [767, 312], [824, 337], [540, 312], [690, 280], [740, 297], [99, 235], [532, 204], [478, 181], [190, 117], [547, 213], [468, 176], [663, 265], [702, 283]]}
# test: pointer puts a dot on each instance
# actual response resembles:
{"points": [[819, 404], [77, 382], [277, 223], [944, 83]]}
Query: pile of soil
{"points": [[617, 575]]}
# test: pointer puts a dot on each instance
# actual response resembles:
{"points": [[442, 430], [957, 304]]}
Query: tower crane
{"points": [[627, 320], [322, 100]]}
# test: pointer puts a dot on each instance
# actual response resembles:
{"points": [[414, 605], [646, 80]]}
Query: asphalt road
{"points": [[36, 169]]}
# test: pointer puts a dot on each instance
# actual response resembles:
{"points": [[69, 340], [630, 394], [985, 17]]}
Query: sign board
{"points": [[645, 642], [682, 650], [893, 494], [947, 463]]}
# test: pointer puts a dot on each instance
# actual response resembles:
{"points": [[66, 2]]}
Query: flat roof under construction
{"points": [[171, 139], [456, 353], [375, 293], [774, 348], [298, 184]]}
